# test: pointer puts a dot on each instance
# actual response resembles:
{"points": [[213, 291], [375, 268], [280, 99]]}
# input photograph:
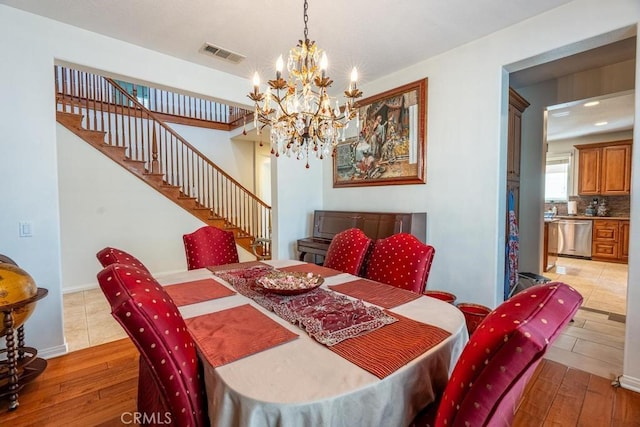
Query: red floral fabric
{"points": [[210, 246]]}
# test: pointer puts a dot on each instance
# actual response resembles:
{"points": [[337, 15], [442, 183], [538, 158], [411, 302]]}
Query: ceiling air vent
{"points": [[221, 53]]}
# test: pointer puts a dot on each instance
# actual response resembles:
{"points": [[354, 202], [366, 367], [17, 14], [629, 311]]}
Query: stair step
{"points": [[187, 202], [155, 178], [172, 190], [93, 137], [204, 213], [69, 120], [135, 166], [114, 151]]}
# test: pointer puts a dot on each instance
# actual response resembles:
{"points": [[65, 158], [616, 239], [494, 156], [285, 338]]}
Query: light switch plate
{"points": [[26, 228]]}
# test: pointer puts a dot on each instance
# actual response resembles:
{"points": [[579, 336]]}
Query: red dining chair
{"points": [[209, 246], [400, 260], [169, 380], [347, 251], [109, 255], [500, 357]]}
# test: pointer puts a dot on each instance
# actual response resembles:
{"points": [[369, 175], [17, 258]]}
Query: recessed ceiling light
{"points": [[591, 103], [601, 123]]}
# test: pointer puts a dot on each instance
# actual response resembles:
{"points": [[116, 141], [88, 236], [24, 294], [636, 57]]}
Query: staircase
{"points": [[106, 116]]}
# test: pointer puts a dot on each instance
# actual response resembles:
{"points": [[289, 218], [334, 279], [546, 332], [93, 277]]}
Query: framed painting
{"points": [[389, 145]]}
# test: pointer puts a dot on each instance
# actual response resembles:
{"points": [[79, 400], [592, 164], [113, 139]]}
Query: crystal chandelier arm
{"points": [[301, 118]]}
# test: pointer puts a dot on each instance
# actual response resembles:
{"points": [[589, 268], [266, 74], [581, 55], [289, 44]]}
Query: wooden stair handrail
{"points": [[110, 110], [181, 139]]}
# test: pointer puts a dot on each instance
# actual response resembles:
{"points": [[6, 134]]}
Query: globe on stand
{"points": [[16, 285]]}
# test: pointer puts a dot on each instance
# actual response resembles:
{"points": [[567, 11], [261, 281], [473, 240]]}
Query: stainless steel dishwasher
{"points": [[574, 237]]}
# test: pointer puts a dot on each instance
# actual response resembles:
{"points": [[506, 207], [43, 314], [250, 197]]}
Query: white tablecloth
{"points": [[302, 383]]}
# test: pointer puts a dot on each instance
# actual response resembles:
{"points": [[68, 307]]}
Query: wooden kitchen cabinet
{"points": [[624, 241], [616, 169], [517, 105], [604, 168], [610, 240], [589, 164]]}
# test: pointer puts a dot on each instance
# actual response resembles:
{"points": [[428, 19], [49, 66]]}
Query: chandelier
{"points": [[298, 110]]}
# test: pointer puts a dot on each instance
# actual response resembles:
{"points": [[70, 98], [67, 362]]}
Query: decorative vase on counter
{"points": [[603, 208], [591, 209]]}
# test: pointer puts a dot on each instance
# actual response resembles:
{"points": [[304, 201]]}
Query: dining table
{"points": [[266, 364]]}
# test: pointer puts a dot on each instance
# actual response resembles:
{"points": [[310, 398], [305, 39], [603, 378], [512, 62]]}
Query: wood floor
{"points": [[97, 385]]}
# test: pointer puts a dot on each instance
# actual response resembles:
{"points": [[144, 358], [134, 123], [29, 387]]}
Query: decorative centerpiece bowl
{"points": [[289, 283]]}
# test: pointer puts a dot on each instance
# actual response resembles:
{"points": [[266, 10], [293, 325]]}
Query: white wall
{"points": [[235, 158], [296, 193], [466, 153]]}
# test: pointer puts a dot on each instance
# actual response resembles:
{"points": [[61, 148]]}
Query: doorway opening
{"points": [[597, 336]]}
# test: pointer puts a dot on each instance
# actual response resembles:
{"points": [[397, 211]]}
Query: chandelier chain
{"points": [[306, 20]]}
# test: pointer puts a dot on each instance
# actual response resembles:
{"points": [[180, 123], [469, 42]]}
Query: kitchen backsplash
{"points": [[618, 205]]}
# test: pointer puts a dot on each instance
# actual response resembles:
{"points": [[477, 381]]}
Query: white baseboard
{"points": [[630, 383], [50, 352], [90, 286], [78, 288]]}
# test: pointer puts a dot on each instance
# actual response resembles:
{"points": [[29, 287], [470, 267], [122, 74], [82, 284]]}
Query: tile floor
{"points": [[594, 342], [88, 320]]}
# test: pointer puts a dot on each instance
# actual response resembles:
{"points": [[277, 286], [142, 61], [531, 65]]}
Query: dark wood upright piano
{"points": [[376, 225]]}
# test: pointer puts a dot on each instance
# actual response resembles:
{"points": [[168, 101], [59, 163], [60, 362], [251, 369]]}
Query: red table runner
{"points": [[326, 316], [376, 293], [197, 291], [228, 335], [387, 349]]}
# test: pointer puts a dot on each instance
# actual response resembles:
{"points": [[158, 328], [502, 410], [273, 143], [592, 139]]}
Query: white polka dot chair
{"points": [[109, 255], [169, 378], [400, 260], [209, 246], [347, 251], [489, 378]]}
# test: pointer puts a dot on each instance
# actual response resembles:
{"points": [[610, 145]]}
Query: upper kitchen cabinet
{"points": [[517, 105], [604, 168]]}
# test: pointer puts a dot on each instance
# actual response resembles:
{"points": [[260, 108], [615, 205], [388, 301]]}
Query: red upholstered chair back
{"points": [[400, 260], [108, 256], [347, 251], [167, 351], [209, 246], [500, 357]]}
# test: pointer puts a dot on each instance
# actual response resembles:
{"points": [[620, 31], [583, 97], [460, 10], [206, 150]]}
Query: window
{"points": [[557, 182]]}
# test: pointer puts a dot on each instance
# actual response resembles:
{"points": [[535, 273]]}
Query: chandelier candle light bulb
{"points": [[303, 120]]}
